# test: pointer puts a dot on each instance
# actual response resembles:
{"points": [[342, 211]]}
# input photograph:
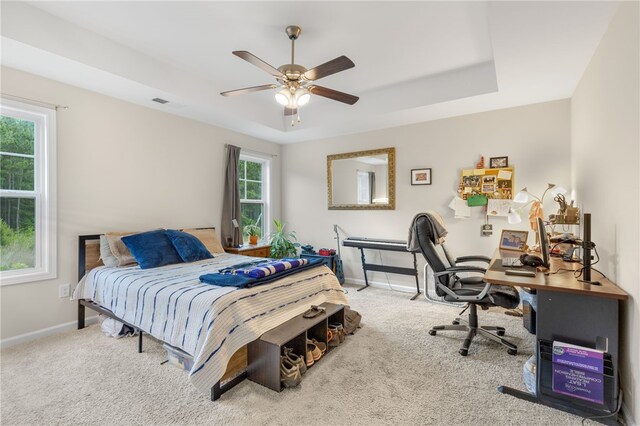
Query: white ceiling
{"points": [[415, 61]]}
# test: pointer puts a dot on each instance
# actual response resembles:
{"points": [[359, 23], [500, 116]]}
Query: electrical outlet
{"points": [[63, 290], [487, 230]]}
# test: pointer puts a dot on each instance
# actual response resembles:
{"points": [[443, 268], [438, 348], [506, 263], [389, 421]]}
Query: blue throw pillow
{"points": [[188, 247], [152, 249]]}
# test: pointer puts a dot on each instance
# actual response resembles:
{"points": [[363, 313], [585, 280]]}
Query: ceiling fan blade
{"points": [[253, 59], [336, 65], [333, 94], [249, 90], [290, 111]]}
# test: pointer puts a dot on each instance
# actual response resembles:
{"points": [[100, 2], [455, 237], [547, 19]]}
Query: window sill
{"points": [[25, 276]]}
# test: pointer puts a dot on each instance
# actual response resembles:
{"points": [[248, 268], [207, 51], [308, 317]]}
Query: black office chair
{"points": [[472, 290]]}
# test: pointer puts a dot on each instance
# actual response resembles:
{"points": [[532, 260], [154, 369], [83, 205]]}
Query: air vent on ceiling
{"points": [[160, 101]]}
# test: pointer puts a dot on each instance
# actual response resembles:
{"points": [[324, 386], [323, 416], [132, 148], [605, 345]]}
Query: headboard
{"points": [[88, 254], [89, 250]]}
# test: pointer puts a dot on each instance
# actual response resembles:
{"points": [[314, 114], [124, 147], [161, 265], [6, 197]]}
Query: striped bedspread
{"points": [[208, 322]]}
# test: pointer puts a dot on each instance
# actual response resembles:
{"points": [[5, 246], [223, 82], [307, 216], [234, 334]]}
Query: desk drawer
{"points": [[263, 252]]}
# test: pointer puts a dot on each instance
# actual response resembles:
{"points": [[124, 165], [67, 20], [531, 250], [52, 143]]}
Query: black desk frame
{"points": [[390, 269], [577, 319]]}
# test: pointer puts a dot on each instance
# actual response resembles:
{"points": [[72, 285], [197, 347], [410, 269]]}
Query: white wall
{"points": [[345, 182], [606, 156], [120, 167], [536, 138]]}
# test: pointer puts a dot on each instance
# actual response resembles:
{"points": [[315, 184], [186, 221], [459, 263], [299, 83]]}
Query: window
{"points": [[254, 193], [27, 193], [365, 187]]}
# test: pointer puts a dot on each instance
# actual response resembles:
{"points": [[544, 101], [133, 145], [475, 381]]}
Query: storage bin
{"points": [[529, 374], [529, 296], [178, 358]]}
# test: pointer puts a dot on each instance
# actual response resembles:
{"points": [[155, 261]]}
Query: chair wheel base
{"points": [[455, 322], [463, 352], [432, 332], [512, 351], [500, 332]]}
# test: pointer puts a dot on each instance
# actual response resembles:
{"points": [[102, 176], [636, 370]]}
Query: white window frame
{"points": [[44, 190], [266, 189]]}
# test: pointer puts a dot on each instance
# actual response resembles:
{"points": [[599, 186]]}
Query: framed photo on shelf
{"points": [[513, 240], [420, 176], [498, 162]]}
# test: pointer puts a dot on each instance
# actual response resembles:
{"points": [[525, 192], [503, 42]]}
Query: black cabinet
{"points": [[330, 261]]}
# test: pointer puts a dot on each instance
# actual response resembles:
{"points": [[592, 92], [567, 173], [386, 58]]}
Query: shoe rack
{"points": [[264, 353]]}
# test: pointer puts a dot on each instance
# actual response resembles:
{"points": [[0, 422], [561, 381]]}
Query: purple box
{"points": [[578, 372], [578, 357], [578, 383]]}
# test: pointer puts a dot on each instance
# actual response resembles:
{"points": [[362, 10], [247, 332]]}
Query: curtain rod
{"points": [[48, 104], [226, 145]]}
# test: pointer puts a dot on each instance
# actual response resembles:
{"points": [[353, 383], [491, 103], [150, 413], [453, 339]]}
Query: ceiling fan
{"points": [[295, 81]]}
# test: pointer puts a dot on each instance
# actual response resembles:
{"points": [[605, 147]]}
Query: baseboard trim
{"points": [[625, 413], [33, 335], [380, 284]]}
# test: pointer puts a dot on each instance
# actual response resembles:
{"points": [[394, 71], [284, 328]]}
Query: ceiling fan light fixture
{"points": [[292, 78], [283, 97], [302, 96]]}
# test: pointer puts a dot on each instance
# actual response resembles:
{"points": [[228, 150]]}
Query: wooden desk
{"points": [[562, 281], [572, 312]]}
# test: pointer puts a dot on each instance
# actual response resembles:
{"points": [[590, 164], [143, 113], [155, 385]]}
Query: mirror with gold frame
{"points": [[363, 180]]}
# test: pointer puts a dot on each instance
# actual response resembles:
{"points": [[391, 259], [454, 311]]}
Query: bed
{"points": [[212, 324]]}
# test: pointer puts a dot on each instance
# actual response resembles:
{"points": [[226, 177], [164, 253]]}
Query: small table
{"points": [[262, 249]]}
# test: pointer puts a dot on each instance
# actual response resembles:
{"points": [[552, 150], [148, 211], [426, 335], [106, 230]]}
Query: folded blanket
{"points": [[256, 273], [226, 280], [264, 268], [437, 230]]}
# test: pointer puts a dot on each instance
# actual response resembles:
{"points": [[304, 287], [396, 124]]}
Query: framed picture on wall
{"points": [[420, 176], [498, 162]]}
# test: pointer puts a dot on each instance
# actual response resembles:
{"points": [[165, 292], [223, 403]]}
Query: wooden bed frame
{"points": [[89, 258]]}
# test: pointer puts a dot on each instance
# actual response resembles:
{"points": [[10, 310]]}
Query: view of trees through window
{"points": [[18, 199], [251, 195]]}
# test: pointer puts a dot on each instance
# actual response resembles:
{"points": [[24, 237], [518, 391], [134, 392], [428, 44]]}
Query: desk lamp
{"points": [[525, 197], [535, 212]]}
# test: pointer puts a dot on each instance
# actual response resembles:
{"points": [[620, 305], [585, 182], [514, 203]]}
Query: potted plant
{"points": [[252, 231], [283, 244]]}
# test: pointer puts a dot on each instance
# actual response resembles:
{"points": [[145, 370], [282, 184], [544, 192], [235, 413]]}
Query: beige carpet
{"points": [[390, 372]]}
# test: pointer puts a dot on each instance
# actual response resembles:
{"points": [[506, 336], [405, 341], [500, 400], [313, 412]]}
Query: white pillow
{"points": [[106, 254]]}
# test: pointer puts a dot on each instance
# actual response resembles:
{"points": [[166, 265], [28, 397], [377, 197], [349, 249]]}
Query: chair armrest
{"points": [[462, 259], [455, 269], [460, 298]]}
